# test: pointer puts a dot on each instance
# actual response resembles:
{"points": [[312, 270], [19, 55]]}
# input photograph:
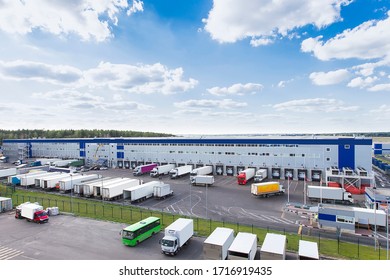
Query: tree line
{"points": [[74, 133]]}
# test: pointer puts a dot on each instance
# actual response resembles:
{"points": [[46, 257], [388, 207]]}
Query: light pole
{"points": [[71, 193], [387, 227], [288, 191]]}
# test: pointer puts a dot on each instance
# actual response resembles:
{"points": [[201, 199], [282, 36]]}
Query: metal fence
{"points": [[340, 247]]}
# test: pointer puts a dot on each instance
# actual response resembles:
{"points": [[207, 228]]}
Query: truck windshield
{"points": [[127, 234], [42, 214], [167, 243]]}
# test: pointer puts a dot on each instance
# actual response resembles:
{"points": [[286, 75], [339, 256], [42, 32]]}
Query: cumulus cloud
{"points": [[229, 20], [210, 104], [29, 70], [88, 19], [236, 89], [314, 105], [145, 79], [380, 87], [370, 40], [68, 94], [329, 78], [362, 82]]}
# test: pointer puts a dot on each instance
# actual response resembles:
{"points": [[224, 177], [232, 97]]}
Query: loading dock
{"points": [[275, 173], [219, 169], [120, 163], [302, 174], [289, 173], [240, 168], [230, 170], [316, 175]]}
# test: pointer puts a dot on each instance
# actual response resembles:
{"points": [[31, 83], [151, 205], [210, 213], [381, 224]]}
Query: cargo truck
{"points": [[39, 180], [33, 212], [260, 175], [244, 247], [63, 163], [204, 170], [370, 217], [266, 189], [176, 235], [245, 175], [141, 192], [162, 191], [114, 191], [180, 171], [202, 180], [274, 247], [142, 169], [318, 193], [161, 170], [7, 172], [216, 246], [67, 184]]}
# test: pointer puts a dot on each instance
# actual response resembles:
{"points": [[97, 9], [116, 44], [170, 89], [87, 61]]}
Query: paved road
{"points": [[75, 238]]}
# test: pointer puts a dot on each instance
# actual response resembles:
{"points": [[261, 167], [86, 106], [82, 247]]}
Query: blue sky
{"points": [[196, 67]]}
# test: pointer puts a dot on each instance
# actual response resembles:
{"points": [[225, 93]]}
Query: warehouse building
{"points": [[381, 148], [303, 157]]}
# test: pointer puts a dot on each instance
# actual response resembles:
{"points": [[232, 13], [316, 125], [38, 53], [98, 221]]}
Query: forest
{"points": [[74, 133]]}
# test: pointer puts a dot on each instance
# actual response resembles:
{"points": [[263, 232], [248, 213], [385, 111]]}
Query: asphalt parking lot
{"points": [[74, 238]]}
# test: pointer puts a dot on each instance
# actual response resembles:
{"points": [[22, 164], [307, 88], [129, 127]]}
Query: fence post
{"points": [[131, 214], [86, 208], [63, 205], [197, 224], [319, 240], [78, 207], [121, 213], [49, 202], [210, 226], [238, 227], [338, 244], [112, 211], [358, 243], [252, 228], [140, 211], [103, 209], [94, 208]]}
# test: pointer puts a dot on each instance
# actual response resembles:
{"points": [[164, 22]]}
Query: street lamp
{"points": [[71, 193]]}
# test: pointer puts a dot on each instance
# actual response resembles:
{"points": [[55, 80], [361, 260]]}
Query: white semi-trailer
{"points": [[176, 235], [79, 188], [161, 170], [7, 172], [216, 246], [39, 179], [116, 190], [260, 175], [67, 184], [274, 247], [325, 193], [204, 170], [370, 217], [180, 171], [50, 182], [162, 191], [140, 192], [98, 187], [202, 180], [244, 247], [90, 187], [28, 179]]}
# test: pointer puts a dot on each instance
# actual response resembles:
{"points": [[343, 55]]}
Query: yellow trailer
{"points": [[266, 189]]}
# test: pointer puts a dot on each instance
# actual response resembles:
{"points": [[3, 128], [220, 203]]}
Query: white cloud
{"points": [[88, 19], [138, 6], [36, 71], [282, 84], [236, 89], [68, 95], [329, 78], [370, 40], [383, 109], [380, 87], [145, 79], [230, 20], [314, 105], [362, 82], [210, 104]]}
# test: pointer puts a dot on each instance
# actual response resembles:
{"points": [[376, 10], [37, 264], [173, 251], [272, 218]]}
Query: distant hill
{"points": [[73, 133]]}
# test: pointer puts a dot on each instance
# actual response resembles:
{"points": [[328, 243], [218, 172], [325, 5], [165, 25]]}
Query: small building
{"points": [[347, 219], [378, 196], [5, 204], [274, 247], [308, 250]]}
